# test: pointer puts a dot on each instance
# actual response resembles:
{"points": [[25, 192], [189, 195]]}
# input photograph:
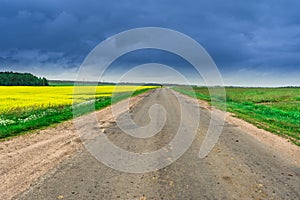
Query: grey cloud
{"points": [[238, 34]]}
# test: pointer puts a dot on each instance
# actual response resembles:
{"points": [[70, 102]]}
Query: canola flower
{"points": [[14, 98]]}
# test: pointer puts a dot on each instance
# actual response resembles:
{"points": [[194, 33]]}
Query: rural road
{"points": [[238, 167]]}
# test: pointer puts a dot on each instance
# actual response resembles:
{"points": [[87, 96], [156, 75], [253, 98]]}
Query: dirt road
{"points": [[240, 166]]}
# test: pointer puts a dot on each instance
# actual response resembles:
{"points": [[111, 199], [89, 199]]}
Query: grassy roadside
{"points": [[274, 109], [20, 122]]}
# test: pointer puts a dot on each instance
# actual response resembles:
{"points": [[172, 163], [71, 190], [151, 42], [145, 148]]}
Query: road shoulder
{"points": [[25, 158]]}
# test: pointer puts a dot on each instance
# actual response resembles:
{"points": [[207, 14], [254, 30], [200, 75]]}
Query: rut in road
{"points": [[239, 166]]}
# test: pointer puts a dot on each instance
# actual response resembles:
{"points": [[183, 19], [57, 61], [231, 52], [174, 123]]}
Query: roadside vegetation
{"points": [[274, 109], [25, 108]]}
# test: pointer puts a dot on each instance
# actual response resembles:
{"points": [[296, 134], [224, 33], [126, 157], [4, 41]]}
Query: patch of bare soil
{"points": [[279, 144], [25, 158]]}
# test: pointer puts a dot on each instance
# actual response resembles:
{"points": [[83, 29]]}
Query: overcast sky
{"points": [[253, 43]]}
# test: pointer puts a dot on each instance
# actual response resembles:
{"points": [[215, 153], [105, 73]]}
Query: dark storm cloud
{"points": [[50, 35]]}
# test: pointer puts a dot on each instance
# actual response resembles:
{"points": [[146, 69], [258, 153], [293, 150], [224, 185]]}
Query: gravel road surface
{"points": [[238, 167]]}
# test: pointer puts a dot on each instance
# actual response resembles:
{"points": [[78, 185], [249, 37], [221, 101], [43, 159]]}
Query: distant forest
{"points": [[21, 79]]}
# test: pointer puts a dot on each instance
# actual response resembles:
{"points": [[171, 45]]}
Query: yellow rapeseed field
{"points": [[33, 97]]}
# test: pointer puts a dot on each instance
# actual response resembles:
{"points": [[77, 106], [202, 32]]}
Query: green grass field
{"points": [[274, 109]]}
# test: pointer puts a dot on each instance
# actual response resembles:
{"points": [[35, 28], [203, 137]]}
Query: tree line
{"points": [[21, 79]]}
